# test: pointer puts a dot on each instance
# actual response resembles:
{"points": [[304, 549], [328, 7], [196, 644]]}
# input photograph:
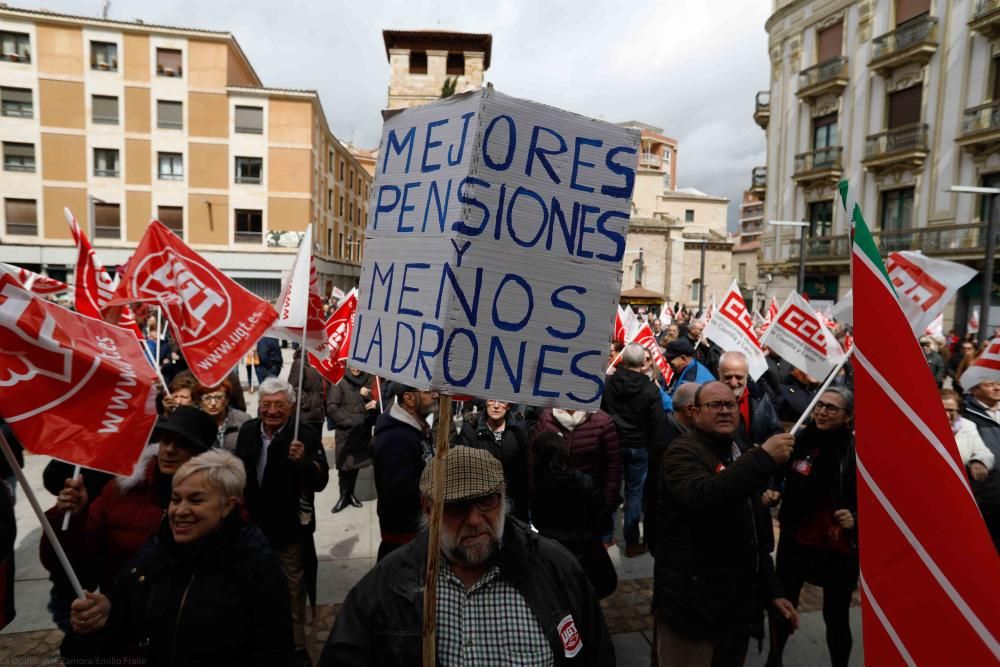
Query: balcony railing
{"points": [[762, 108], [22, 228], [752, 212], [650, 160], [986, 18], [249, 237], [758, 178], [983, 118], [897, 140], [101, 232], [946, 240], [918, 34], [833, 70], [819, 159]]}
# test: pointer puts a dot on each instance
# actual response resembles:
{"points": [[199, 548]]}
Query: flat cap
{"points": [[678, 347], [468, 473]]}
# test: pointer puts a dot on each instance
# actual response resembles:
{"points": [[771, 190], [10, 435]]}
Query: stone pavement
{"points": [[347, 544]]}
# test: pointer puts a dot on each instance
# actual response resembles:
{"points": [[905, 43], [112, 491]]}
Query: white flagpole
{"points": [[303, 360], [46, 526], [65, 523], [159, 335], [826, 385], [378, 388]]}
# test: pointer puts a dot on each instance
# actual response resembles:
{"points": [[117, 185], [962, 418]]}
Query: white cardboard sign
{"points": [[493, 250]]}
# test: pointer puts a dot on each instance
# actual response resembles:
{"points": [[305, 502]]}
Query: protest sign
{"points": [[731, 328], [986, 368], [924, 286], [493, 251], [800, 336], [34, 282], [214, 320], [71, 386], [338, 336]]}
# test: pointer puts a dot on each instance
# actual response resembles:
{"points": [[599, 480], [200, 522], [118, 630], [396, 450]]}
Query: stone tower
{"points": [[421, 61]]}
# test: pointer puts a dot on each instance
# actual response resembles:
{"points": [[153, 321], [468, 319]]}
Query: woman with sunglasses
{"points": [[215, 402], [819, 539]]}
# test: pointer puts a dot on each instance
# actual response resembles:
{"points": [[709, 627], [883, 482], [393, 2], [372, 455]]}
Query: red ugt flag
{"points": [[94, 286], [333, 364], [71, 386], [646, 338], [34, 282], [214, 320], [919, 551]]}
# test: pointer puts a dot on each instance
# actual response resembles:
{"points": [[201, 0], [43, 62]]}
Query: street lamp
{"points": [[991, 248], [701, 272], [802, 247]]}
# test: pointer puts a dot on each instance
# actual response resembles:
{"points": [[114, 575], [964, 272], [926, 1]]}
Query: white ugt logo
{"points": [[29, 338], [177, 280]]}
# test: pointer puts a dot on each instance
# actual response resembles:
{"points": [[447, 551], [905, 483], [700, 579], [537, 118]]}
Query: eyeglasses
{"points": [[720, 406], [460, 508], [213, 398], [829, 408], [277, 405]]}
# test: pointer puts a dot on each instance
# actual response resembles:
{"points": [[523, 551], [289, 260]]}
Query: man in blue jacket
{"points": [[680, 356]]}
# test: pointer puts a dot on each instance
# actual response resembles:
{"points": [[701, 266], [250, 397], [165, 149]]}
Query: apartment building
{"points": [[123, 122], [902, 99]]}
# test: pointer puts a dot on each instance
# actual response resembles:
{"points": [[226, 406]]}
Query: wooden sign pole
{"points": [[433, 542]]}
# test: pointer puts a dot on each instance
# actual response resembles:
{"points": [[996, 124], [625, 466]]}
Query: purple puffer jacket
{"points": [[593, 449]]}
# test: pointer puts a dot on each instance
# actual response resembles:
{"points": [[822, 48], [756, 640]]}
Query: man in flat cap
{"points": [[505, 595]]}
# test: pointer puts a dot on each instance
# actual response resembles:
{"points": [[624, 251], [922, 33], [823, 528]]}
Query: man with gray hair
{"points": [[283, 475], [633, 402], [505, 595], [758, 420]]}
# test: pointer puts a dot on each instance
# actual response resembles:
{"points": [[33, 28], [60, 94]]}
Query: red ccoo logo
{"points": [[736, 310], [914, 282], [804, 327]]}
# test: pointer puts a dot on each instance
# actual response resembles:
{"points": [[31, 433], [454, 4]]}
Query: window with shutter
{"points": [[904, 106], [104, 56], [168, 62], [830, 42], [105, 109], [173, 218], [169, 115], [910, 9], [249, 120], [18, 157], [16, 102], [107, 221], [22, 217], [106, 162]]}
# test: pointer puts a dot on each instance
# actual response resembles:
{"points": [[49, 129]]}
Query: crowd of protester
{"points": [[205, 554]]}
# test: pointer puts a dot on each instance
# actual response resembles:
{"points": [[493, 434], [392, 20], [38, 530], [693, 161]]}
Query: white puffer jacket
{"points": [[971, 446]]}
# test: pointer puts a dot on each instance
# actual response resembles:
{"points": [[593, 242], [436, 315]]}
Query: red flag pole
{"points": [[46, 526], [824, 387], [378, 388]]}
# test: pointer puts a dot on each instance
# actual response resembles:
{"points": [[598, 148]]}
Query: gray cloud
{"points": [[691, 67]]}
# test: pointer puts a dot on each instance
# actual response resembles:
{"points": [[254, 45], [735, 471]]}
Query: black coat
{"points": [[312, 401], [399, 453], [8, 534], [381, 621], [222, 601], [274, 505], [634, 403], [345, 407], [269, 351], [793, 399], [511, 451], [829, 478], [672, 430], [763, 419], [713, 570]]}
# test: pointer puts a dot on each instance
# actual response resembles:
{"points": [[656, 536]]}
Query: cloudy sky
{"points": [[675, 64]]}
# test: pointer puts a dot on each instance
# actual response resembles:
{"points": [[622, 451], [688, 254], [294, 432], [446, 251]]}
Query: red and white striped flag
{"points": [[731, 328], [35, 283], [338, 336], [986, 368], [918, 550], [772, 309], [94, 286], [646, 338], [300, 305], [973, 324]]}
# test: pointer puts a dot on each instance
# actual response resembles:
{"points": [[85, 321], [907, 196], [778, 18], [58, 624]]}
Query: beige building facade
{"points": [[668, 228], [422, 62], [902, 99], [125, 122]]}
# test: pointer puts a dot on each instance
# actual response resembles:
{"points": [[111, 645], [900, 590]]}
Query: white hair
{"points": [[275, 385], [223, 471], [634, 355], [733, 355]]}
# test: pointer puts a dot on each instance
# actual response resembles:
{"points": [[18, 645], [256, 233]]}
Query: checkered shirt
{"points": [[489, 624]]}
